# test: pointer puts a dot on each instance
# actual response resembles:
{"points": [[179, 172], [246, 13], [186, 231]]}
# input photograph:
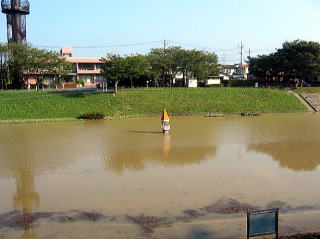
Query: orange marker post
{"points": [[165, 120]]}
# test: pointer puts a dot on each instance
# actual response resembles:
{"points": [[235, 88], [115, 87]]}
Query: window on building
{"points": [[74, 67], [86, 66], [100, 78], [99, 66], [87, 78]]}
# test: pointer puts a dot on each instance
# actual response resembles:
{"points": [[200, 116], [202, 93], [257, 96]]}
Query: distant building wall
{"points": [[193, 83], [86, 69]]}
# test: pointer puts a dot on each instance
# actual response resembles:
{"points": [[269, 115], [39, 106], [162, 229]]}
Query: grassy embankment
{"points": [[48, 105], [308, 90]]}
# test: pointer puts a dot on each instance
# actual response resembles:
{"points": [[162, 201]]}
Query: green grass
{"points": [[46, 105], [308, 90]]}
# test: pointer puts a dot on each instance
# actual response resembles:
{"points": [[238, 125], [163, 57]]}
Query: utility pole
{"points": [[164, 44], [241, 53], [164, 52]]}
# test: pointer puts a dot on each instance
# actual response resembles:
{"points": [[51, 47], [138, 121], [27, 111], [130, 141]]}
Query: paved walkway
{"points": [[311, 101]]}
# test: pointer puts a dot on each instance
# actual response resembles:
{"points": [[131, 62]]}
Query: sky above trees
{"points": [[213, 25]]}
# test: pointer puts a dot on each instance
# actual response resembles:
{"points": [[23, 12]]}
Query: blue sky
{"points": [[213, 25]]}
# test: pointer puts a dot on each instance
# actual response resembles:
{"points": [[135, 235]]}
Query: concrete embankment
{"points": [[311, 101]]}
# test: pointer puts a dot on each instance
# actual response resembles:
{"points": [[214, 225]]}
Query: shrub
{"points": [[92, 116], [241, 83]]}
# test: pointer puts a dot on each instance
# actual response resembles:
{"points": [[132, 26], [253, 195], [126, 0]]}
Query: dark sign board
{"points": [[262, 222]]}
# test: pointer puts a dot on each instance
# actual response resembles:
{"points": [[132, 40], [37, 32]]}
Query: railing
{"points": [[303, 82], [21, 6]]}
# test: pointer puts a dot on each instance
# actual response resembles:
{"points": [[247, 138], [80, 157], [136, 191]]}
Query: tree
{"points": [[173, 64], [159, 66], [42, 63], [203, 64], [18, 61], [3, 67], [167, 63], [114, 68], [296, 61], [162, 65], [137, 66]]}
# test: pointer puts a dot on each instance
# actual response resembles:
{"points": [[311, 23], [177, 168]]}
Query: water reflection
{"points": [[167, 150], [295, 155], [166, 145], [25, 199]]}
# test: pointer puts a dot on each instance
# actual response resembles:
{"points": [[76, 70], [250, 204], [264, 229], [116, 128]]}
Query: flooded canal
{"points": [[125, 179]]}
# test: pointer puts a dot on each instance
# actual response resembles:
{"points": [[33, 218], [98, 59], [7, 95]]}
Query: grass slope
{"points": [[179, 101]]}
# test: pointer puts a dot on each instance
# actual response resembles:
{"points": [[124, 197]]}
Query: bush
{"points": [[242, 83], [92, 116], [80, 82]]}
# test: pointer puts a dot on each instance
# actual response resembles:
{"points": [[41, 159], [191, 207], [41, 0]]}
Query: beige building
{"points": [[85, 69]]}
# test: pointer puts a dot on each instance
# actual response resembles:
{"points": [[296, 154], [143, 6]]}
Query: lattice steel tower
{"points": [[16, 11]]}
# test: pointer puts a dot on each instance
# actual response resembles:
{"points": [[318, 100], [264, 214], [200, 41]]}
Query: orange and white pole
{"points": [[165, 122]]}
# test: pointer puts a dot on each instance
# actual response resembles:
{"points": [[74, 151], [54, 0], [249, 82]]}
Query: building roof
{"points": [[84, 59], [227, 66], [66, 50]]}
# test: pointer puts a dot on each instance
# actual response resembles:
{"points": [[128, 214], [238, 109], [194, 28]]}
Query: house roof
{"points": [[227, 66], [84, 59], [66, 50], [223, 74]]}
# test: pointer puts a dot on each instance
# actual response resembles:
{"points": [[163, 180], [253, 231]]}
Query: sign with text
{"points": [[262, 222]]}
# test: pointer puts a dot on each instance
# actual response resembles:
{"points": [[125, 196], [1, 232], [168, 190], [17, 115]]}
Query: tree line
{"points": [[295, 64], [160, 67], [18, 62]]}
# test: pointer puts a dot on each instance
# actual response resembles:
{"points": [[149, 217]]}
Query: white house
{"points": [[236, 71], [213, 80]]}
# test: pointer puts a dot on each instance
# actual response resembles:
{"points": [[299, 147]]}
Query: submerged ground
{"points": [[125, 179], [178, 101]]}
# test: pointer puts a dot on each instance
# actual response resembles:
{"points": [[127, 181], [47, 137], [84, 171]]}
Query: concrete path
{"points": [[311, 102], [313, 99]]}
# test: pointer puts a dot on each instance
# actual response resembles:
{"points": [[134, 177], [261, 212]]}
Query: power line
{"points": [[108, 46], [204, 47], [225, 53]]}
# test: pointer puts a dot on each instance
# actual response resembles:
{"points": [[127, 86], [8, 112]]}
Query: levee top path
{"points": [[313, 99], [310, 100]]}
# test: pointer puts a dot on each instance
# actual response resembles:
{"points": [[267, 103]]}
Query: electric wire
{"points": [[107, 46]]}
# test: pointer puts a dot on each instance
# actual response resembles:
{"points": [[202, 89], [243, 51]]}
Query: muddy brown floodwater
{"points": [[125, 179]]}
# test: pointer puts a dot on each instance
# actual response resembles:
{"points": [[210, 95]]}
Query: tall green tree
{"points": [[20, 61], [115, 68], [167, 63], [158, 65], [162, 65], [296, 61], [42, 63], [3, 66], [203, 64], [137, 66]]}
